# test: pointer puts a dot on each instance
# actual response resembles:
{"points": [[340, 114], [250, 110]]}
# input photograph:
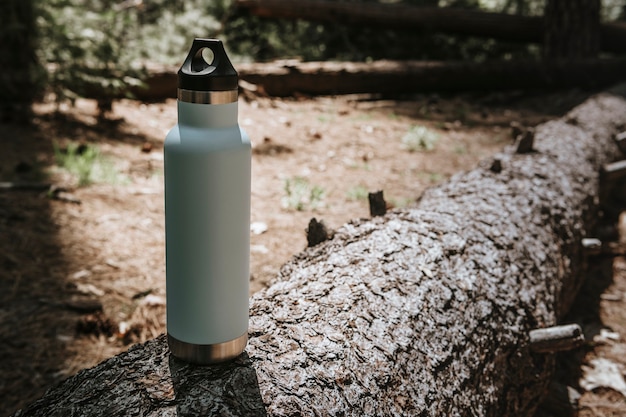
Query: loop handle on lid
{"points": [[207, 68]]}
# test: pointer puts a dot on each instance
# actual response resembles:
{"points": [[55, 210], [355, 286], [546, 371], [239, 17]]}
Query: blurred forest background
{"points": [[72, 48]]}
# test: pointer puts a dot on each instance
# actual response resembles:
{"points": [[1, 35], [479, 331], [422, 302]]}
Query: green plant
{"points": [[401, 202], [420, 139], [357, 192], [432, 177], [301, 195], [166, 34], [460, 150], [90, 48], [357, 165], [86, 163]]}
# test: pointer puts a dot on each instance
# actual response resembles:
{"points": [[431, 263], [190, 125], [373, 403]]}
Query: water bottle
{"points": [[207, 212]]}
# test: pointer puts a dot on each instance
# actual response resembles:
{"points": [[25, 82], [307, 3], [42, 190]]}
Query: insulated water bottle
{"points": [[207, 212]]}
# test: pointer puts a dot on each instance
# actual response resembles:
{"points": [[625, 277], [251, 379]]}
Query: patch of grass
{"points": [[157, 173], [357, 193], [87, 164], [432, 177], [301, 195], [326, 118], [363, 117], [420, 139], [460, 150], [364, 166], [401, 202]]}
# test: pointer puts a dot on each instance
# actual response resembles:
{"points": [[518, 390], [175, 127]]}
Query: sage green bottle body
{"points": [[207, 229]]}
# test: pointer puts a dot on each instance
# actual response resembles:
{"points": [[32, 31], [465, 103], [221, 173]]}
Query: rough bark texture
{"points": [[422, 312]]}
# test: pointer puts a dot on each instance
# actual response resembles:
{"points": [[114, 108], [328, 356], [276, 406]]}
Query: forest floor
{"points": [[82, 266]]}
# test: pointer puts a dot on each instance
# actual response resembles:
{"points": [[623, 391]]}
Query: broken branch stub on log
{"points": [[556, 338], [317, 232], [378, 205], [422, 312]]}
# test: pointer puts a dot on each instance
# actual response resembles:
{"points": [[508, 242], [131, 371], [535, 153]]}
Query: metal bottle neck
{"points": [[207, 97], [214, 116]]}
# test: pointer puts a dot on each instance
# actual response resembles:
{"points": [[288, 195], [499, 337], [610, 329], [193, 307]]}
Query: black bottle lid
{"points": [[207, 68]]}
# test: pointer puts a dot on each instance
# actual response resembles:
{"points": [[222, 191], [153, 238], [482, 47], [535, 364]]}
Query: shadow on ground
{"points": [[39, 309]]}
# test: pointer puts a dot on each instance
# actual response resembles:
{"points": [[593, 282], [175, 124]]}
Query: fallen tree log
{"points": [[424, 311], [394, 77], [286, 78], [423, 19]]}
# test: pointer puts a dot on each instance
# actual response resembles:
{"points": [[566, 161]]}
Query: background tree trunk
{"points": [[572, 29], [424, 311], [18, 60]]}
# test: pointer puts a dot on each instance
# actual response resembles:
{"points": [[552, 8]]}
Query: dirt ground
{"points": [[82, 267]]}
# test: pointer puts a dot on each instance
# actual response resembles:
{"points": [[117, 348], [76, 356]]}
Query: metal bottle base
{"points": [[207, 354]]}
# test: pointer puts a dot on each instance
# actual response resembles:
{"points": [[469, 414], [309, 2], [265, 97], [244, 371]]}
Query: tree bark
{"points": [[572, 29], [448, 20], [422, 312]]}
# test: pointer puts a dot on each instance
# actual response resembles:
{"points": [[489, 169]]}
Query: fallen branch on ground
{"points": [[288, 78]]}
